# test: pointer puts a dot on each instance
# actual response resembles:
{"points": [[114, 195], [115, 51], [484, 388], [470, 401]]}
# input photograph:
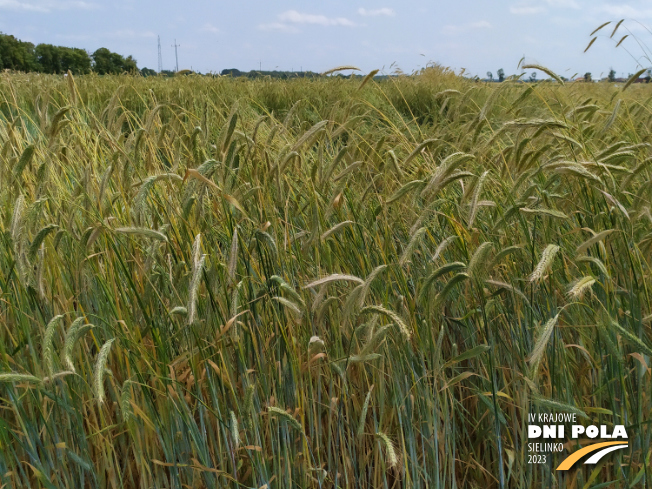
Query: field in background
{"points": [[234, 283]]}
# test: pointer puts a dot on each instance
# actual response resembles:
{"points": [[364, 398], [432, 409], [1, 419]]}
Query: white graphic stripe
{"points": [[594, 459]]}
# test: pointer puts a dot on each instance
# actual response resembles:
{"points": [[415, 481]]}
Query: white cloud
{"points": [[295, 17], [278, 26], [454, 29], [563, 3], [625, 11], [208, 27], [45, 6], [74, 37], [290, 19], [130, 34], [526, 10], [533, 7], [16, 5], [387, 12]]}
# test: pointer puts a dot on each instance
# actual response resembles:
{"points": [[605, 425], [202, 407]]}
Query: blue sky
{"points": [[479, 36]]}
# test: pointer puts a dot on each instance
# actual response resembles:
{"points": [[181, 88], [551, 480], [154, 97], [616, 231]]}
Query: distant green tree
{"points": [[129, 64], [501, 75], [490, 75], [234, 72], [105, 62], [612, 75], [76, 60], [57, 59], [148, 72], [17, 55], [587, 77], [48, 57]]}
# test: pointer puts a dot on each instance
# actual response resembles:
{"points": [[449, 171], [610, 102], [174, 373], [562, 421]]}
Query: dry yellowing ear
{"points": [[337, 201]]}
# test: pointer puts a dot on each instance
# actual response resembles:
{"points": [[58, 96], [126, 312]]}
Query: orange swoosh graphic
{"points": [[574, 457]]}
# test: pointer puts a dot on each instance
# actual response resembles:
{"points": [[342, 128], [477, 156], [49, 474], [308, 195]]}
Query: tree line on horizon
{"points": [[17, 55], [24, 56]]}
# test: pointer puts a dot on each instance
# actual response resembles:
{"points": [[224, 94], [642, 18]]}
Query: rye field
{"points": [[325, 283]]}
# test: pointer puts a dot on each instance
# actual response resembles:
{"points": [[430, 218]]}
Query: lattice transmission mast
{"points": [[176, 55], [160, 56]]}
